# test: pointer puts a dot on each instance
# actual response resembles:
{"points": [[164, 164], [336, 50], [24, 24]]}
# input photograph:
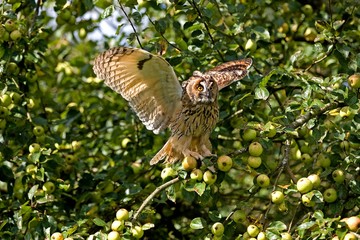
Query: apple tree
{"points": [[74, 158]]}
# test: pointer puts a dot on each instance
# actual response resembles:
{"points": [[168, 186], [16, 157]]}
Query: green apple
{"points": [[38, 131], [82, 33], [4, 112], [261, 236], [34, 147], [286, 236], [338, 175], [117, 225], [15, 35], [10, 25], [323, 161], [306, 200], [224, 163], [252, 230], [5, 100], [304, 185], [283, 207], [350, 236], [137, 232], [57, 236], [167, 172], [16, 97], [255, 149], [352, 223], [307, 9], [189, 163], [238, 216], [49, 187], [263, 180], [196, 174], [70, 158], [315, 179], [65, 14], [249, 134], [2, 124], [113, 235], [271, 131], [209, 177], [217, 229], [306, 158], [254, 162], [277, 197], [13, 68], [122, 214], [354, 80], [330, 195], [284, 28]]}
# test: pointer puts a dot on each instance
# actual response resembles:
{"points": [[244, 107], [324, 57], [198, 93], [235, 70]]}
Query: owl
{"points": [[190, 110]]}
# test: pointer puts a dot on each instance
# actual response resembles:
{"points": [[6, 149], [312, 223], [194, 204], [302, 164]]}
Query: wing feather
{"points": [[146, 81], [229, 72]]}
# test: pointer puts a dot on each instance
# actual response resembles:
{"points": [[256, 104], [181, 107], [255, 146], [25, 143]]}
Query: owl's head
{"points": [[201, 88]]}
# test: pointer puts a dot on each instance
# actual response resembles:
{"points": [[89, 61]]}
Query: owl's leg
{"points": [[188, 152], [205, 146]]}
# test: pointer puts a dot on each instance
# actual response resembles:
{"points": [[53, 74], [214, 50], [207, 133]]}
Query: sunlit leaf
{"points": [[198, 223]]}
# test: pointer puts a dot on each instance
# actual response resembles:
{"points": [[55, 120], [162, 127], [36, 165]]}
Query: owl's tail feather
{"points": [[167, 152]]}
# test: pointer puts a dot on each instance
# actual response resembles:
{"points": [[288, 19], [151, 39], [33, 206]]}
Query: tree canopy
{"points": [[74, 158]]}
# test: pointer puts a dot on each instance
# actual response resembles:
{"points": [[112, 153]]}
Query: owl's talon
{"points": [[193, 154]]}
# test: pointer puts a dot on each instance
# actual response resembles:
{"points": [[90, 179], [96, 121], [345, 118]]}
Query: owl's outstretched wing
{"points": [[229, 72], [146, 81]]}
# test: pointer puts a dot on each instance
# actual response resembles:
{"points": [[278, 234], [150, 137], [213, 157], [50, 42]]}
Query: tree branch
{"points": [[207, 29], [152, 195], [311, 114], [132, 25]]}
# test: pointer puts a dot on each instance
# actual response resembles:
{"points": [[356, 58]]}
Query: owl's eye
{"points": [[200, 88]]}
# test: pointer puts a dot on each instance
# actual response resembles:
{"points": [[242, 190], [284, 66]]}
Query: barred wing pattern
{"points": [[229, 72], [146, 81]]}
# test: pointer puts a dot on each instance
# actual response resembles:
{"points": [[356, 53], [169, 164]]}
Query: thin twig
{"points": [[38, 3], [152, 195], [311, 114], [292, 219], [331, 49], [284, 163], [207, 29], [162, 35], [133, 27]]}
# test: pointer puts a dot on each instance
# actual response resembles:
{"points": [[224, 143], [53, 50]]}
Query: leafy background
{"points": [[96, 152]]}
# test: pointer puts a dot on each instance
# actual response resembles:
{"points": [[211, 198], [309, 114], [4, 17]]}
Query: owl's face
{"points": [[202, 89]]}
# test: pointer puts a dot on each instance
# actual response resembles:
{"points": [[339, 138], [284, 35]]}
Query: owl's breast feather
{"points": [[195, 120]]}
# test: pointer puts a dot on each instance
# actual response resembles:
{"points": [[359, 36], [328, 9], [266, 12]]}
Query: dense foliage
{"points": [[74, 158]]}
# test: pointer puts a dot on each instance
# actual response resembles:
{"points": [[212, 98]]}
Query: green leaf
{"points": [[261, 93], [319, 215], [147, 226], [306, 225], [107, 11], [198, 223], [215, 216], [278, 226], [170, 193], [262, 33], [99, 222], [32, 191]]}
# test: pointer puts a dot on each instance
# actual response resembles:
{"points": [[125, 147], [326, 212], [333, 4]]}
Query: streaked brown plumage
{"points": [[150, 86]]}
